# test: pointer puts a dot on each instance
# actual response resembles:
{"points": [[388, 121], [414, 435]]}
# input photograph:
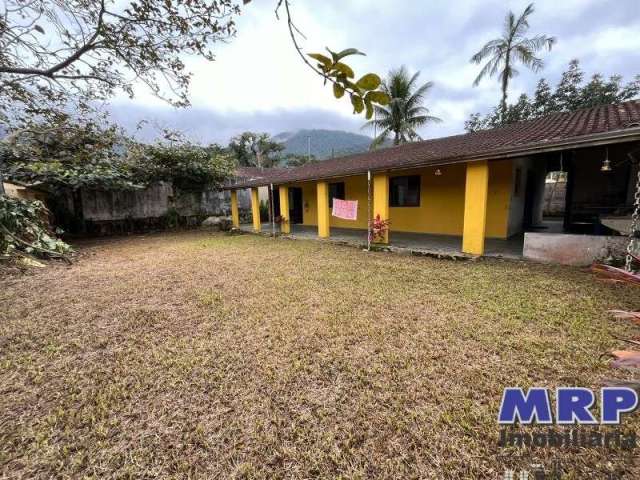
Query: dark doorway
{"points": [[276, 202], [295, 205], [529, 201]]}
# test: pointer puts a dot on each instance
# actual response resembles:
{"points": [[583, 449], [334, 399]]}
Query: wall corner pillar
{"points": [[235, 212], [285, 224], [255, 209], [324, 215], [381, 202], [475, 207]]}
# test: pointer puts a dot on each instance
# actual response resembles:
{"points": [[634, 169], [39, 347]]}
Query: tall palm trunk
{"points": [[503, 102], [505, 83]]}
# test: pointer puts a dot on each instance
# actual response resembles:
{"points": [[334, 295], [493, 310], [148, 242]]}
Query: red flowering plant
{"points": [[379, 229], [281, 220]]}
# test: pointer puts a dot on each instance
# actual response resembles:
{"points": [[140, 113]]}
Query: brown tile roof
{"points": [[250, 173], [555, 131]]}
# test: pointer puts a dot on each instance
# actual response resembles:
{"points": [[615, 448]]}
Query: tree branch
{"points": [[51, 71], [292, 33]]}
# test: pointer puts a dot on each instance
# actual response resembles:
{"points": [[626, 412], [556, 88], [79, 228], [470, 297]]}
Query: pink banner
{"points": [[346, 209]]}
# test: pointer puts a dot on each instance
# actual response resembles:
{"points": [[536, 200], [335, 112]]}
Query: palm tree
{"points": [[512, 47], [405, 112]]}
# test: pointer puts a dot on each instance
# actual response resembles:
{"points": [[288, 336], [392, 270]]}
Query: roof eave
{"points": [[593, 140]]}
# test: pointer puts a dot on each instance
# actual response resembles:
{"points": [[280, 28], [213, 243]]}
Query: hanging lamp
{"points": [[606, 164]]}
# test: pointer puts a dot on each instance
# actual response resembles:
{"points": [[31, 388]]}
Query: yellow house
{"points": [[476, 187]]}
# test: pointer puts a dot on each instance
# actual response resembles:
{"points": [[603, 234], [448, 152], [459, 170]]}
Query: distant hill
{"points": [[324, 143]]}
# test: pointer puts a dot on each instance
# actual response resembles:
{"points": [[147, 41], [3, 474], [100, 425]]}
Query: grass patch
{"points": [[200, 355]]}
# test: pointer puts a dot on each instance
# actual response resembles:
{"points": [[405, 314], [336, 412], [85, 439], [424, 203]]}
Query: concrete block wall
{"points": [[156, 201], [571, 249]]}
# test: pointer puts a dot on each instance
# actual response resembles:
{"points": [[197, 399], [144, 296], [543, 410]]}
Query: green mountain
{"points": [[324, 143]]}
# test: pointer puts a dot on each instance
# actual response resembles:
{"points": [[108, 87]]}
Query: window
{"points": [[336, 190], [404, 191]]}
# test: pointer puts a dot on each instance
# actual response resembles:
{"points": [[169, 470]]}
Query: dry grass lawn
{"points": [[213, 356]]}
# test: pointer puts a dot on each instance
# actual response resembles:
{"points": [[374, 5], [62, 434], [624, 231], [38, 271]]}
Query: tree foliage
{"points": [[186, 165], [502, 54], [91, 48], [405, 112], [364, 93], [88, 155], [570, 94], [67, 156], [255, 150]]}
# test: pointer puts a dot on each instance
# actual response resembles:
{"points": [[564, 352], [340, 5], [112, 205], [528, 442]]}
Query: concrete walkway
{"points": [[419, 243]]}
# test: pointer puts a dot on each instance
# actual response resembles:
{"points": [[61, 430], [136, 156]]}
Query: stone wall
{"points": [[107, 212], [101, 206]]}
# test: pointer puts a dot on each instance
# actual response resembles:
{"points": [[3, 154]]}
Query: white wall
{"points": [[570, 249], [527, 166], [516, 205]]}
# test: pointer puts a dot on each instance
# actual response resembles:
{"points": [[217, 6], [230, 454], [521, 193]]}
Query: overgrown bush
{"points": [[24, 230], [87, 155], [186, 165]]}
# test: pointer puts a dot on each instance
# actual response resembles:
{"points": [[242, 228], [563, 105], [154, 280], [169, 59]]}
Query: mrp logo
{"points": [[573, 406]]}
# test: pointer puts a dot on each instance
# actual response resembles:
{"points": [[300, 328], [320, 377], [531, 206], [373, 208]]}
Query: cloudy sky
{"points": [[258, 83]]}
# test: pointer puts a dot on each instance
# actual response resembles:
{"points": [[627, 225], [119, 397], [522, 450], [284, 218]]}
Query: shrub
{"points": [[379, 228], [24, 229]]}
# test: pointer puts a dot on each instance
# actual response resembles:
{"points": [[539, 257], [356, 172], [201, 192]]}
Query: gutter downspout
{"points": [[273, 213]]}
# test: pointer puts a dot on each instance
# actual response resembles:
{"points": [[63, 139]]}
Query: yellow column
{"points": [[255, 209], [323, 209], [285, 225], [235, 215], [475, 207], [381, 201]]}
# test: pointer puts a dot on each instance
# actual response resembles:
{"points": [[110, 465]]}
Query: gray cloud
{"points": [[437, 38], [206, 125]]}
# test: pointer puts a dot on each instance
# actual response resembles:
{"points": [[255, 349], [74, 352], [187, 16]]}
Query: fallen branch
{"points": [[632, 342], [52, 253], [615, 274]]}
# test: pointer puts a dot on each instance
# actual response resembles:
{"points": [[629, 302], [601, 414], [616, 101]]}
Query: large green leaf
{"points": [[348, 51], [370, 81], [334, 55], [321, 58], [369, 107], [338, 90], [378, 97], [358, 103], [348, 84], [344, 69]]}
